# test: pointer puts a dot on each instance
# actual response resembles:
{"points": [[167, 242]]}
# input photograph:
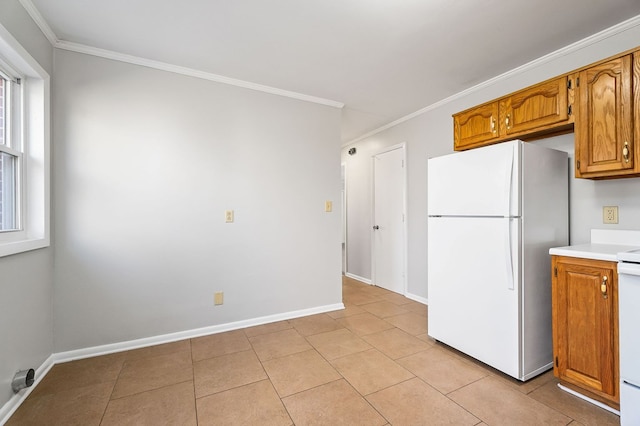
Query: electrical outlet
{"points": [[610, 214], [228, 216], [218, 298]]}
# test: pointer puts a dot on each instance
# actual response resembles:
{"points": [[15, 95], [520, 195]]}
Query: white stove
{"points": [[631, 256], [629, 318]]}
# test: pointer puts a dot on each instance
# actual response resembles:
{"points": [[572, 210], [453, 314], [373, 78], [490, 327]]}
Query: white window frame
{"points": [[13, 115], [34, 143]]}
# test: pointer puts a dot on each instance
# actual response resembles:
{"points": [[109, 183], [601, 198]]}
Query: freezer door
{"points": [[478, 182], [473, 288]]}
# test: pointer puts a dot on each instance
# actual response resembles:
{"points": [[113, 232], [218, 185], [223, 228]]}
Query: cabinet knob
{"points": [[603, 286], [625, 152], [507, 121], [493, 125]]}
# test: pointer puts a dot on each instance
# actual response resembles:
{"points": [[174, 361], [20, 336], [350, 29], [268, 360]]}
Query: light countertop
{"points": [[596, 251], [604, 245]]}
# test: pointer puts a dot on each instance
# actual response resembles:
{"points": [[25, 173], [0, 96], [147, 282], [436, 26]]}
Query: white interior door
{"points": [[388, 220]]}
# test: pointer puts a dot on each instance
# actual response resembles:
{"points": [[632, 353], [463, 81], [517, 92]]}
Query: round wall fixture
{"points": [[23, 379]]}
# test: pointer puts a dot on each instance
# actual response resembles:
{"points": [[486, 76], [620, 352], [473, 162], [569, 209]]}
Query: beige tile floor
{"points": [[370, 364]]}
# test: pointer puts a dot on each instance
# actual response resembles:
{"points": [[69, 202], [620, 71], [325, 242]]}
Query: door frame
{"points": [[344, 245], [403, 147]]}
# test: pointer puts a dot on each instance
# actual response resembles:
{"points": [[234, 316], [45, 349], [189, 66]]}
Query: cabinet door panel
{"points": [[604, 130], [475, 127], [536, 107], [585, 325], [583, 331], [634, 150]]}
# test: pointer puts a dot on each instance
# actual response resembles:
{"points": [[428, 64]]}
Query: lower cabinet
{"points": [[585, 327]]}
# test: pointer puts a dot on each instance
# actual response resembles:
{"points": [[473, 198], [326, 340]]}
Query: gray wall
{"points": [[431, 134], [26, 329], [146, 163]]}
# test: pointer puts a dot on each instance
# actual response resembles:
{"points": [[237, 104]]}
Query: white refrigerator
{"points": [[494, 212]]}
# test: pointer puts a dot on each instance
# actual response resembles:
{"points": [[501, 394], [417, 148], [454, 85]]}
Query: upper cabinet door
{"points": [[476, 127], [604, 127], [539, 106], [530, 113]]}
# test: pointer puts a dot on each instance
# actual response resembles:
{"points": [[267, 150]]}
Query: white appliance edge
{"points": [[494, 212], [629, 344]]}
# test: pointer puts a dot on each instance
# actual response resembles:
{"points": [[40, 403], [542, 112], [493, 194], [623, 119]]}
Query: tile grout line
{"points": [[446, 395], [428, 384], [104, 412], [150, 390], [267, 374], [193, 381], [341, 375]]}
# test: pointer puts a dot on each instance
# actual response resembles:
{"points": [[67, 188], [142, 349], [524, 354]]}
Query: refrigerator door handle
{"points": [[508, 183], [508, 258]]}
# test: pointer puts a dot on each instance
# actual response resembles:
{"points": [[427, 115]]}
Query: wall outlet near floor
{"points": [[218, 298], [228, 216], [610, 214]]}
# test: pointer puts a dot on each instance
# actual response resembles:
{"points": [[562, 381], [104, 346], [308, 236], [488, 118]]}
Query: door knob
{"points": [[376, 227]]}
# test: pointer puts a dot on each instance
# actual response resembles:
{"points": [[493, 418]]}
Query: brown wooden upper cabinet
{"points": [[604, 131], [476, 127], [530, 112]]}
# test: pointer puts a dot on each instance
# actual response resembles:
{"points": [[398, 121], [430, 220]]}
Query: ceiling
{"points": [[383, 59]]}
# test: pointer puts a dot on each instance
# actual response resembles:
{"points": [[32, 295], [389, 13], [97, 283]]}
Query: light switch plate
{"points": [[328, 206]]}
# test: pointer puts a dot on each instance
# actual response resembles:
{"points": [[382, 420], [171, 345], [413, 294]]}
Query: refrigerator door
{"points": [[478, 182], [474, 290]]}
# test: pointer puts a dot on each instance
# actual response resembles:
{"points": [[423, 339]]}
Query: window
{"points": [[24, 149], [10, 154]]}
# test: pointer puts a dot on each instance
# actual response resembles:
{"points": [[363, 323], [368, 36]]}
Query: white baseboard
{"points": [[358, 278], [187, 334], [417, 298], [12, 405], [591, 400], [17, 399]]}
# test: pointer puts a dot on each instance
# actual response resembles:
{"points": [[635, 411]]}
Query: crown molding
{"points": [[40, 21], [574, 47], [149, 63], [80, 48]]}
